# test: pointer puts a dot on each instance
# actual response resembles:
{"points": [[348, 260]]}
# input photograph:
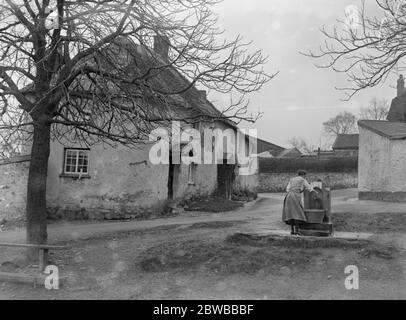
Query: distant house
{"points": [[268, 147], [266, 154], [284, 153], [346, 145], [290, 153]]}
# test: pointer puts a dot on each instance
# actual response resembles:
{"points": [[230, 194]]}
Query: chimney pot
{"points": [[203, 94], [161, 46]]}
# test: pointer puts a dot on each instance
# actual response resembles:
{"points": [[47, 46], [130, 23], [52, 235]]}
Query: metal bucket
{"points": [[315, 216]]}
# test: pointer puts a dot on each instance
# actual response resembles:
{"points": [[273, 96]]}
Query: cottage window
{"points": [[76, 161]]}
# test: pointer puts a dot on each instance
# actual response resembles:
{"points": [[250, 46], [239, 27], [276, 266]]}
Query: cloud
{"points": [[353, 106], [276, 25]]}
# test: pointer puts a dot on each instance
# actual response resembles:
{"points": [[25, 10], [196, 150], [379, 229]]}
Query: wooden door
{"points": [[225, 180]]}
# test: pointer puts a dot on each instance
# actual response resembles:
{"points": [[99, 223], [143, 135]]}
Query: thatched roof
{"points": [[189, 104]]}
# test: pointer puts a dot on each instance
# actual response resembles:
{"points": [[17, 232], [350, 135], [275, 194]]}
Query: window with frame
{"points": [[76, 161]]}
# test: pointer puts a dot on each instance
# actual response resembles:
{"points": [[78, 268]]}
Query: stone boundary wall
{"points": [[383, 196], [277, 182], [312, 164], [13, 189]]}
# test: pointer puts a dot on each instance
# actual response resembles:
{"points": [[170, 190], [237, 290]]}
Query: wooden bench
{"points": [[36, 280], [43, 250]]}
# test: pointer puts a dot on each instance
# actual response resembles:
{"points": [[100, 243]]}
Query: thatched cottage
{"points": [[104, 181]]}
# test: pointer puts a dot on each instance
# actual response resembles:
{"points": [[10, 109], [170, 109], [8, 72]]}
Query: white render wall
{"points": [[397, 169], [121, 180], [382, 168], [373, 163]]}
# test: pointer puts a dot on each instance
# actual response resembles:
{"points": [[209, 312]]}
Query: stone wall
{"points": [[277, 182], [345, 153], [246, 184], [383, 196], [13, 190]]}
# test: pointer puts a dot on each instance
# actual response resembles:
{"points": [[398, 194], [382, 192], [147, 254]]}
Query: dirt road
{"points": [[217, 256], [266, 211]]}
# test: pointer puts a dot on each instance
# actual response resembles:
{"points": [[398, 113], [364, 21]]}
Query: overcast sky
{"points": [[301, 97]]}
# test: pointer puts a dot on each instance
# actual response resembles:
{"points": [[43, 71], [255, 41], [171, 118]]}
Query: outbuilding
{"points": [[382, 160]]}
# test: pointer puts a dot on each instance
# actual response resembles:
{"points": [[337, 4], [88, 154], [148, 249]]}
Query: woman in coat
{"points": [[293, 212]]}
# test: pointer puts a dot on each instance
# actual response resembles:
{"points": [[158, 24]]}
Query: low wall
{"points": [[383, 196], [313, 164], [13, 190], [277, 182]]}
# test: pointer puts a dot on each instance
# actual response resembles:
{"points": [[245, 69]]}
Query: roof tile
{"points": [[346, 141], [390, 130]]}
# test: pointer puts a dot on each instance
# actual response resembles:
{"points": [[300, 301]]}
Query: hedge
{"points": [[288, 165]]}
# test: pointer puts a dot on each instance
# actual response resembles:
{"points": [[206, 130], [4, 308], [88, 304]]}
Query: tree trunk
{"points": [[37, 185]]}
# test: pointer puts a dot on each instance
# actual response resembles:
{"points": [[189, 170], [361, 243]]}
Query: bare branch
{"points": [[368, 51]]}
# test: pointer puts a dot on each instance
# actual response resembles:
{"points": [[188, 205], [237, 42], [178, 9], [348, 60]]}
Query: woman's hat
{"points": [[301, 172]]}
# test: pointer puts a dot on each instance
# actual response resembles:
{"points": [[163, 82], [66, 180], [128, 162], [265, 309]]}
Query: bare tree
{"points": [[344, 123], [366, 48], [302, 145], [376, 110], [8, 148], [69, 66]]}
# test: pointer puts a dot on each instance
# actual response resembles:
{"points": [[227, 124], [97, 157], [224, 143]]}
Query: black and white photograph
{"points": [[219, 152]]}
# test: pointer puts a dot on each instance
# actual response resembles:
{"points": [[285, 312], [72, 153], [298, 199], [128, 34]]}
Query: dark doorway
{"points": [[225, 180], [173, 177]]}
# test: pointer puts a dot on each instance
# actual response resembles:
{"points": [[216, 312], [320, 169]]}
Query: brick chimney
{"points": [[161, 46], [203, 94], [401, 85]]}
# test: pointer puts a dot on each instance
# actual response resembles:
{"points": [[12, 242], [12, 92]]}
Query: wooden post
{"points": [[306, 196], [42, 259], [327, 203]]}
